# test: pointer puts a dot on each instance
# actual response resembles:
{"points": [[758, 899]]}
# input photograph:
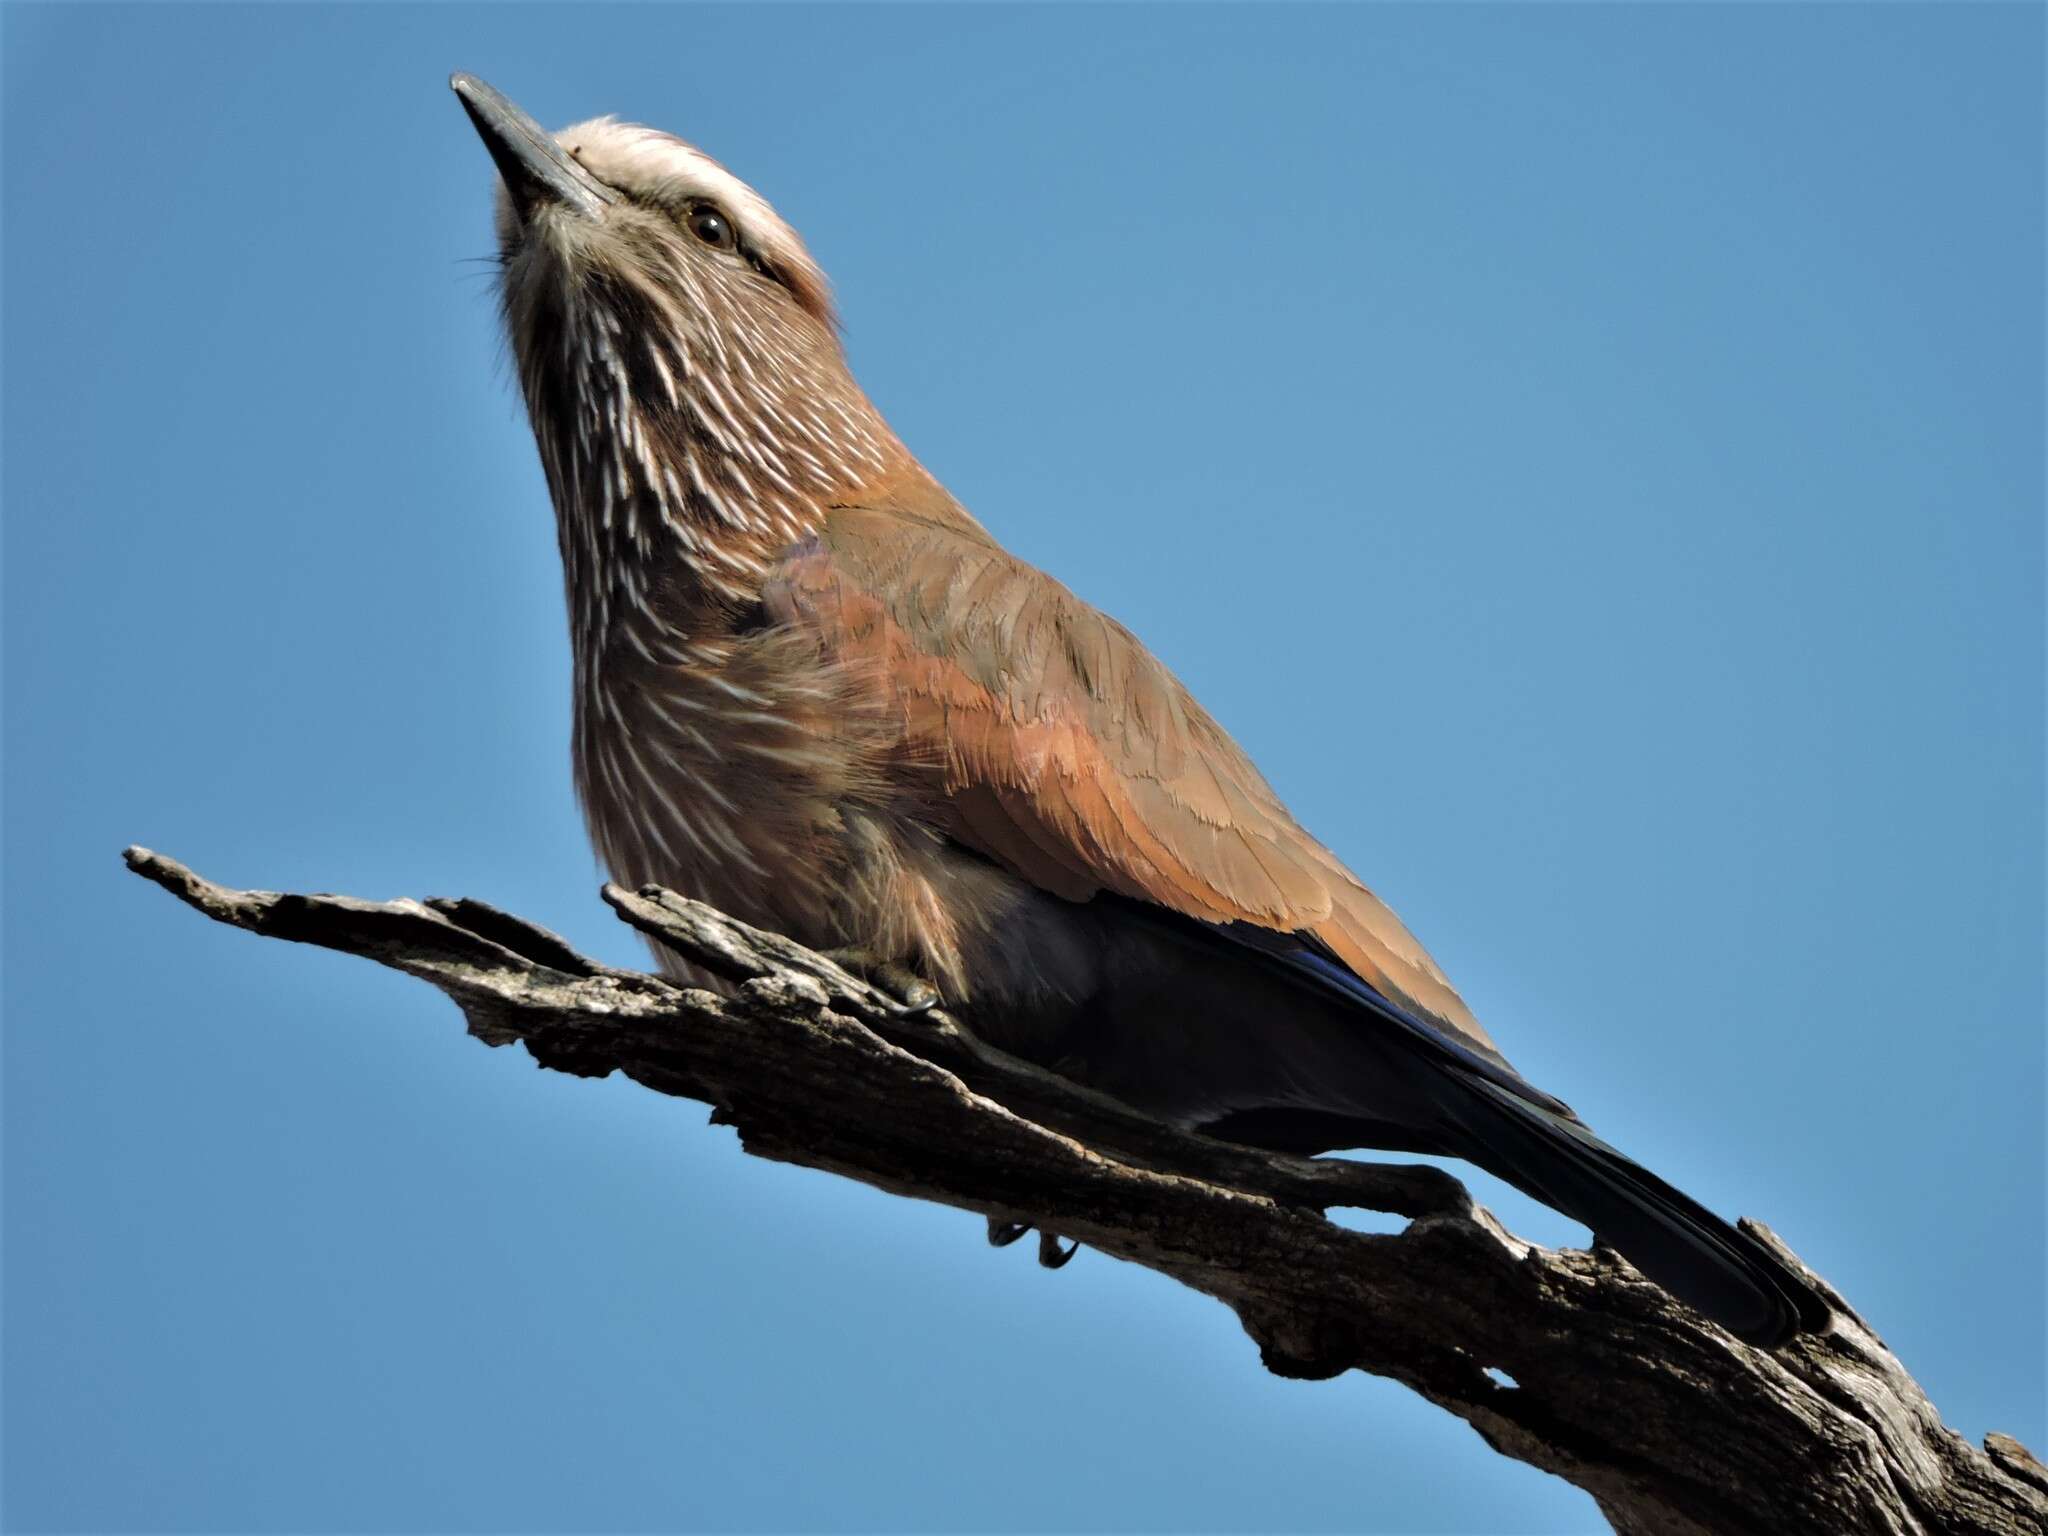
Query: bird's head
{"points": [[675, 342]]}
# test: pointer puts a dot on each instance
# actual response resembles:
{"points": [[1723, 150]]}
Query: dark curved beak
{"points": [[536, 170]]}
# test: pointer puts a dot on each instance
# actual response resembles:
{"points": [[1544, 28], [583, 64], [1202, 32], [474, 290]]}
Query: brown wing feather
{"points": [[1043, 735]]}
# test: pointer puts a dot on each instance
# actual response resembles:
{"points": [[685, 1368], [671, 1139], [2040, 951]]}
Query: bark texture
{"points": [[1673, 1427]]}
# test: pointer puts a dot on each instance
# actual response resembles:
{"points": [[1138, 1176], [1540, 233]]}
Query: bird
{"points": [[812, 690]]}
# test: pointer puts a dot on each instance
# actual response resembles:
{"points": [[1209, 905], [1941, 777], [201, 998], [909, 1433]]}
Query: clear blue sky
{"points": [[1592, 457]]}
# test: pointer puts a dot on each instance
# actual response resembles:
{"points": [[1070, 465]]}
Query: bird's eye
{"points": [[712, 227]]}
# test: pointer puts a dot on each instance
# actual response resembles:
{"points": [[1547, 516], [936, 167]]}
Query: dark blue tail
{"points": [[1453, 1098]]}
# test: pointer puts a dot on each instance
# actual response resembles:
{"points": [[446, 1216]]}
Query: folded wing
{"points": [[1043, 735]]}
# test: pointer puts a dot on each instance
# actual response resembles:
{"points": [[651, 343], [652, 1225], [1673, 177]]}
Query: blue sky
{"points": [[1591, 456]]}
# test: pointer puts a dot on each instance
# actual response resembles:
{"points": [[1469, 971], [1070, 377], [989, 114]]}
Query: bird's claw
{"points": [[1051, 1255], [902, 989], [909, 992]]}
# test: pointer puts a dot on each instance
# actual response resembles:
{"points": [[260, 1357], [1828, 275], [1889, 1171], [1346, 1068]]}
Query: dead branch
{"points": [[1673, 1427]]}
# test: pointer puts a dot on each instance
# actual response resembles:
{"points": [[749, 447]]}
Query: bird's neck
{"points": [[679, 484]]}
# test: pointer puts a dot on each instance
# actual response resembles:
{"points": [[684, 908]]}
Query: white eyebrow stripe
{"points": [[660, 168]]}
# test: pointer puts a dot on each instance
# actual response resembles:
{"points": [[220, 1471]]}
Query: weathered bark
{"points": [[1673, 1426]]}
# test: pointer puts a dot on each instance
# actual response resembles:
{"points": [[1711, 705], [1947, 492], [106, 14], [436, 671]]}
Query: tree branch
{"points": [[1673, 1427]]}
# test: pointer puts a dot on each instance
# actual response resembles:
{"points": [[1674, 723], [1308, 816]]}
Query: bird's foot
{"points": [[904, 988], [1050, 1254]]}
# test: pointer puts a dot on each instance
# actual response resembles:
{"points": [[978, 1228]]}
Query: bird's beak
{"points": [[536, 170]]}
